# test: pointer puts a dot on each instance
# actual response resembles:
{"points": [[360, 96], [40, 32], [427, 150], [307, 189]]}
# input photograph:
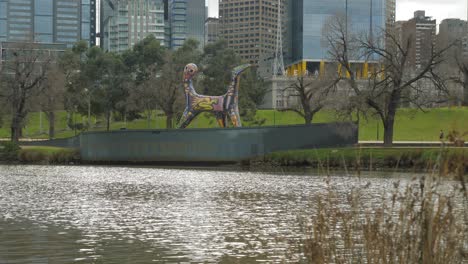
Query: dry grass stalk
{"points": [[422, 222]]}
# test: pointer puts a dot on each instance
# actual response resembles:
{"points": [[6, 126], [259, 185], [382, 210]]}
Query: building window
{"points": [[43, 7], [43, 24]]}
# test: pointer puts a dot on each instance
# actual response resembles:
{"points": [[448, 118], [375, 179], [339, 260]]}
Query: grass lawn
{"points": [[410, 124], [452, 159]]}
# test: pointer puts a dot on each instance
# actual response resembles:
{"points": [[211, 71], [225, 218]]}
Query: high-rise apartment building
{"points": [[126, 22], [308, 21], [250, 27], [48, 21], [212, 30], [453, 31], [421, 32], [390, 9], [187, 20]]}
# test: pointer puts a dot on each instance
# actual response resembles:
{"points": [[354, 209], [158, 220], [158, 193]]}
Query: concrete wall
{"points": [[211, 145], [203, 145]]}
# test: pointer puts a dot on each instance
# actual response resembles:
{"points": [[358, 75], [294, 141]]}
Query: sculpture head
{"points": [[190, 70]]}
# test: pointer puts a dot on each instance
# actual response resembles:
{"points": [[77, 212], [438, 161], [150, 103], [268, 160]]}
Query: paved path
{"points": [[406, 143], [364, 143]]}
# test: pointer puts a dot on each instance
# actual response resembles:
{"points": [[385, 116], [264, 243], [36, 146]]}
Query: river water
{"points": [[55, 214]]}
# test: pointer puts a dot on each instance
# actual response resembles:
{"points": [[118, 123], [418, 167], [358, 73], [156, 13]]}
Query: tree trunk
{"points": [[108, 117], [306, 106], [15, 130], [389, 123], [169, 117], [389, 119], [51, 118], [465, 90], [69, 120], [308, 117], [148, 118]]}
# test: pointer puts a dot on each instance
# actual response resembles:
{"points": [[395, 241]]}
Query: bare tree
{"points": [[392, 82], [168, 91], [25, 70], [143, 95], [313, 94], [52, 95], [462, 78]]}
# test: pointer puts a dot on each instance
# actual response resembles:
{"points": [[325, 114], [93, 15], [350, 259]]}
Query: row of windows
{"points": [[19, 8], [67, 3], [20, 2], [67, 21]]}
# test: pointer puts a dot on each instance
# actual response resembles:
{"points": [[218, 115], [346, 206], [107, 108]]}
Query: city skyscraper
{"points": [[48, 21], [126, 22], [421, 31], [212, 30], [250, 27], [453, 31], [187, 20], [308, 20]]}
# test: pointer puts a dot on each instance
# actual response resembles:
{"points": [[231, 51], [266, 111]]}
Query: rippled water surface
{"points": [[52, 214]]}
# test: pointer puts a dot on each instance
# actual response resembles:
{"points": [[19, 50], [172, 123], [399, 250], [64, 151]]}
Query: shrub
{"points": [[9, 150], [48, 155]]}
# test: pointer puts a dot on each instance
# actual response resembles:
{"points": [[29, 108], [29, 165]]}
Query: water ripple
{"points": [[150, 214]]}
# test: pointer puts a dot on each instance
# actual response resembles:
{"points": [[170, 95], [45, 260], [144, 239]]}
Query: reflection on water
{"points": [[54, 214]]}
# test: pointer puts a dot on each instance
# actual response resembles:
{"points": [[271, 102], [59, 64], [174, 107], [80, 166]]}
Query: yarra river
{"points": [[63, 214]]}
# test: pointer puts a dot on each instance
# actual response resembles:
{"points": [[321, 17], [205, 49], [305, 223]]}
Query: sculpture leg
{"points": [[186, 119], [235, 116], [221, 118]]}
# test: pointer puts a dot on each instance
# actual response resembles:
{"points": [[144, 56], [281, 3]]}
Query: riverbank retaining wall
{"points": [[204, 145]]}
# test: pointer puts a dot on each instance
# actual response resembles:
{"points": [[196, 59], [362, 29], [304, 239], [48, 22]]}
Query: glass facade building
{"points": [[48, 21], [125, 23], [187, 20], [308, 20]]}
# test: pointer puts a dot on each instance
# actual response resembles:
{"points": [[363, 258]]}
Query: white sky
{"points": [[212, 8], [438, 9]]}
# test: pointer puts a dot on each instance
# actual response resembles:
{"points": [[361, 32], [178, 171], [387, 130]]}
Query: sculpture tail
{"points": [[236, 72]]}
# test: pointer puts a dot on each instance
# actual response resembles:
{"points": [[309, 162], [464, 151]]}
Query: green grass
{"points": [[452, 159], [410, 125]]}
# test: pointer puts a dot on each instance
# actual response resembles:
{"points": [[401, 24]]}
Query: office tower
{"points": [[48, 21], [212, 30], [250, 27], [187, 20], [390, 10], [126, 22], [421, 32], [308, 20], [453, 31]]}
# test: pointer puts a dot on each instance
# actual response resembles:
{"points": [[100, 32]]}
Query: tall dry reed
{"points": [[424, 221]]}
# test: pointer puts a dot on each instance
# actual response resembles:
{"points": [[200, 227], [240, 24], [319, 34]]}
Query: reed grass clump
{"points": [[48, 155], [416, 159], [424, 221]]}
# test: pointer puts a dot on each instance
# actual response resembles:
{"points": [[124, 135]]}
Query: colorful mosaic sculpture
{"points": [[223, 106]]}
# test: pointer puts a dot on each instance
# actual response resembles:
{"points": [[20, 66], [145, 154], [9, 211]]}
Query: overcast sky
{"points": [[438, 9]]}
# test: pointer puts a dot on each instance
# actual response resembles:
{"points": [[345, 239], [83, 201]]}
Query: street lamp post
{"points": [[88, 93], [74, 119]]}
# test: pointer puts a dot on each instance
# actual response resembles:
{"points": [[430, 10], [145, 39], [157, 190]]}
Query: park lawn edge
{"points": [[418, 159], [448, 159]]}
